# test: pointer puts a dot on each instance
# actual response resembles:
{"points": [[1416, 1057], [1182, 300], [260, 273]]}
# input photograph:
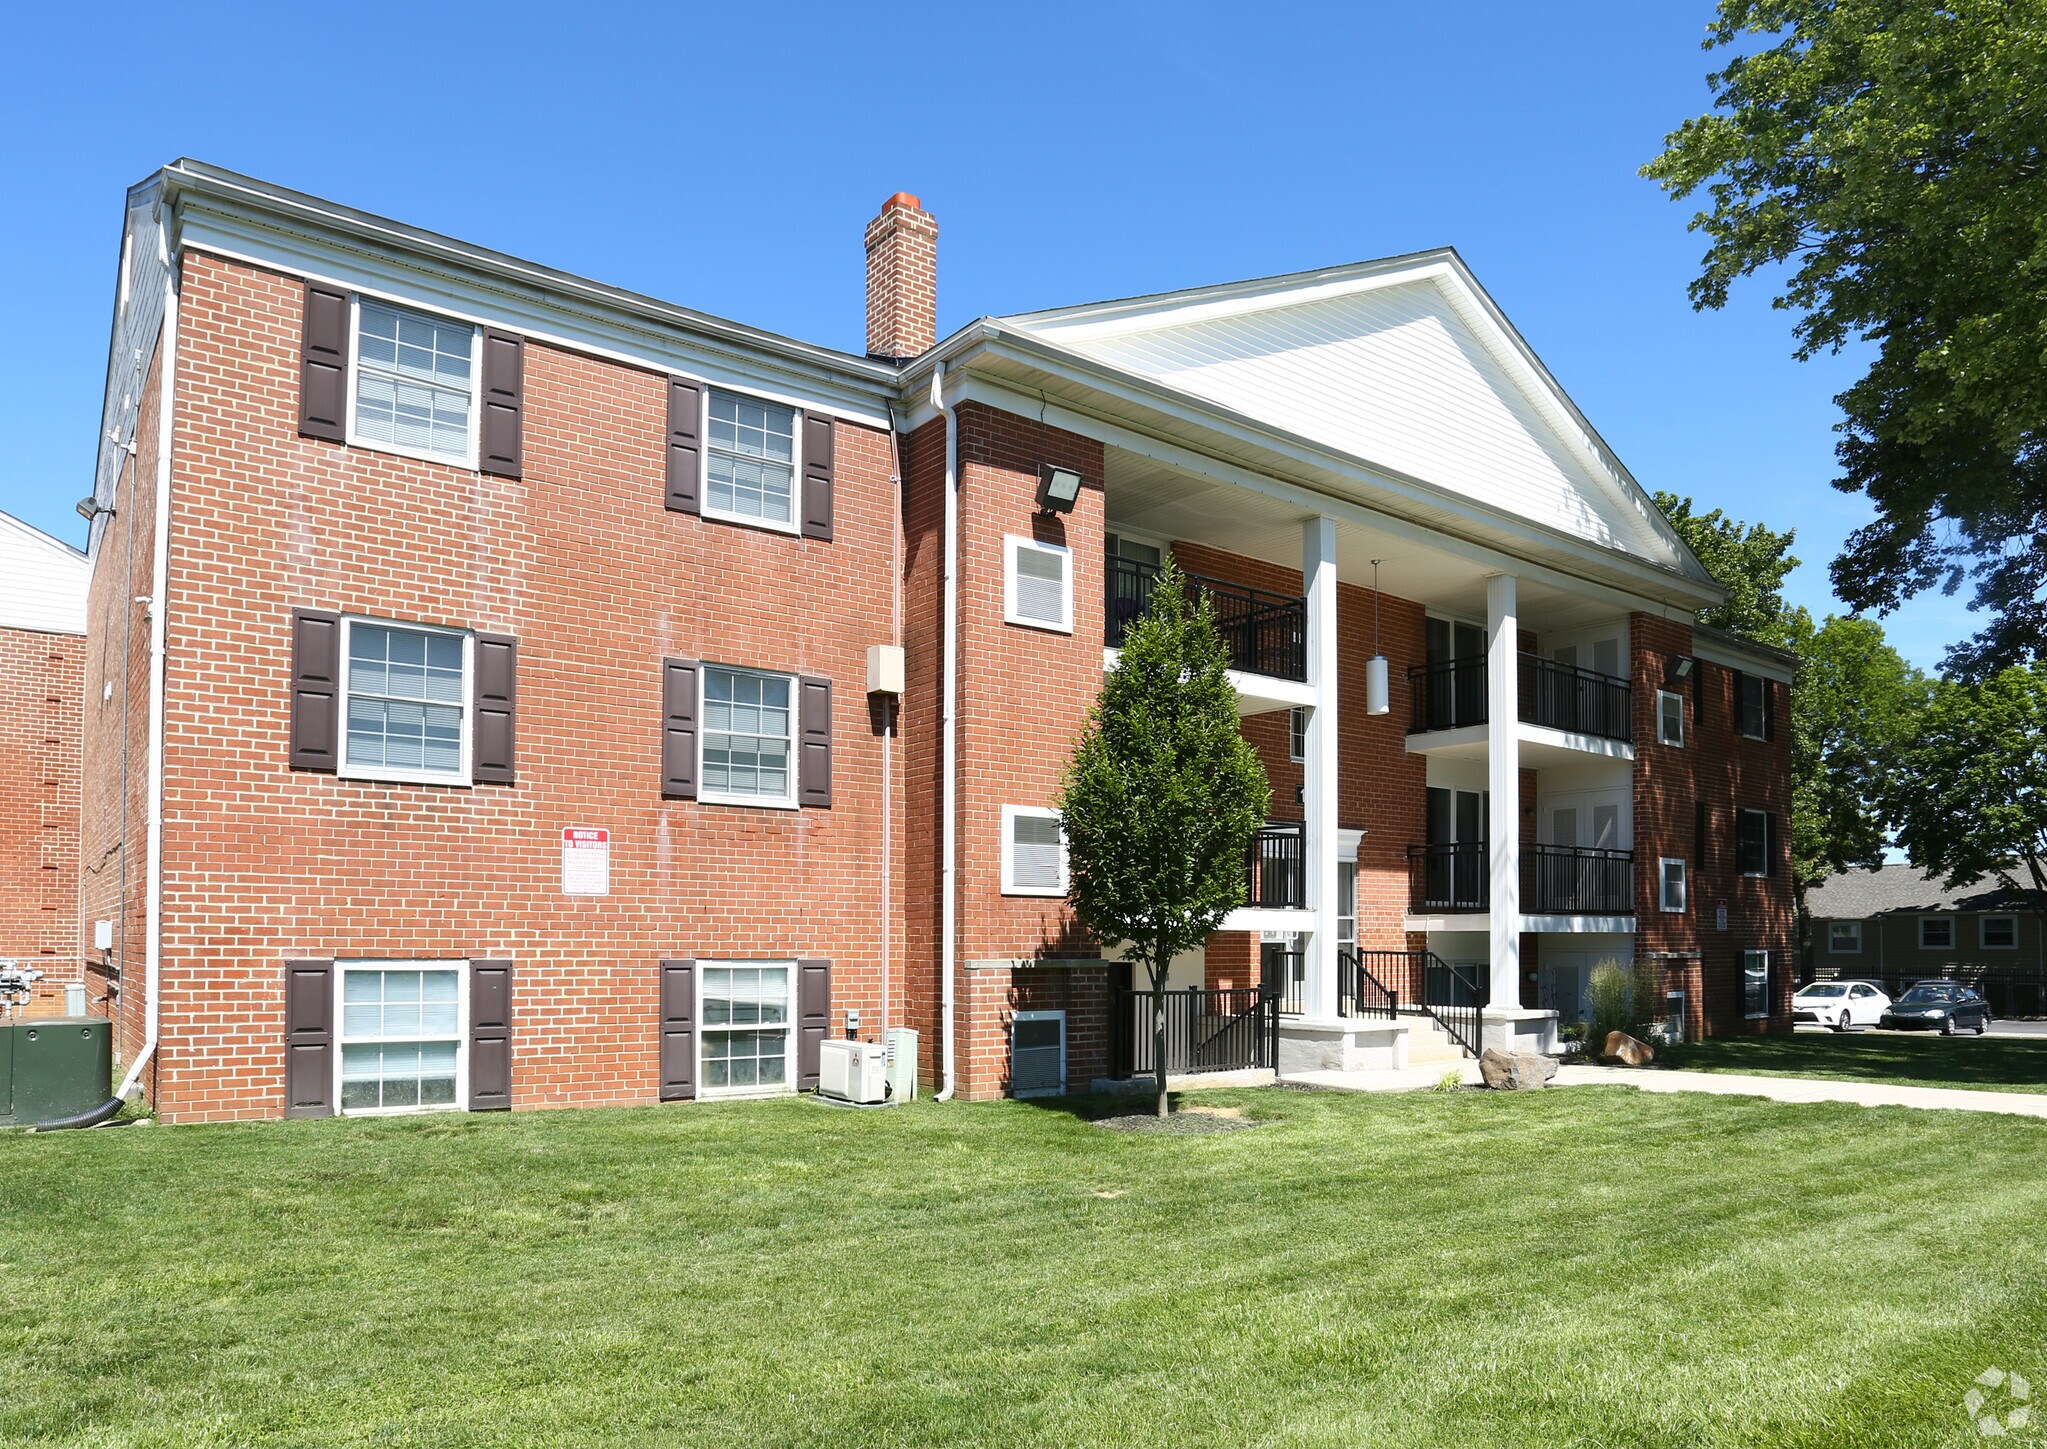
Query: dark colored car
{"points": [[1943, 1006]]}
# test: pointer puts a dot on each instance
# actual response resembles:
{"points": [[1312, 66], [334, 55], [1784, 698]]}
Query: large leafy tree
{"points": [[1887, 161], [1163, 796], [1749, 560], [1969, 789]]}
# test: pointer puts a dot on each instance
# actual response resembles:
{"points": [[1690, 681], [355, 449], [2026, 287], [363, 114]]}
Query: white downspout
{"points": [[160, 570], [948, 922]]}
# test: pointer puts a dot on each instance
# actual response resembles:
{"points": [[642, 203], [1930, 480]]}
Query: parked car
{"points": [[1840, 1004], [1943, 1006]]}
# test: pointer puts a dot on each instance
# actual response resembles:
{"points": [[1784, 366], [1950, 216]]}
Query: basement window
{"points": [[401, 1036]]}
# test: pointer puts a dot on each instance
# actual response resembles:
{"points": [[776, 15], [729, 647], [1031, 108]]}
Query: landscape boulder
{"points": [[1515, 1071], [1622, 1048]]}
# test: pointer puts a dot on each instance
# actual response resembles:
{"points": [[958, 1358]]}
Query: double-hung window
{"points": [[414, 383], [750, 461], [405, 702], [1999, 933], [1670, 878], [1755, 984], [745, 1011], [1936, 933], [748, 745], [1297, 734], [1844, 938], [1033, 852], [1752, 842], [1753, 707], [401, 1035], [1670, 718]]}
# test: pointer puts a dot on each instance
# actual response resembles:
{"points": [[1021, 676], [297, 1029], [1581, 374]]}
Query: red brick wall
{"points": [[1728, 773], [41, 685], [581, 562]]}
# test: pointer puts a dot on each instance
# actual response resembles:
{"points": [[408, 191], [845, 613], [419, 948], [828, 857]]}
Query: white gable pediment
{"points": [[1407, 371]]}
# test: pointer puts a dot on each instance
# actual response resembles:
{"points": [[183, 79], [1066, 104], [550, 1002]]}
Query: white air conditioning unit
{"points": [[852, 1071], [902, 1064]]}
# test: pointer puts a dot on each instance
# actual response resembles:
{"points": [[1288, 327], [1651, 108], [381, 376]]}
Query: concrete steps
{"points": [[1428, 1044]]}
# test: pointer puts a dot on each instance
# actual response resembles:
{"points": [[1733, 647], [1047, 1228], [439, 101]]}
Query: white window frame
{"points": [[463, 776], [1663, 717], [1769, 845], [1684, 885], [468, 460], [1012, 544], [1065, 1034], [1764, 1014], [708, 1093], [708, 796], [1297, 734], [1983, 932], [1834, 949], [341, 1038], [1010, 814], [1952, 933], [704, 508]]}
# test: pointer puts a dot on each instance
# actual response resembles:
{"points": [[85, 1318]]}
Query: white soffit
{"points": [[1406, 369]]}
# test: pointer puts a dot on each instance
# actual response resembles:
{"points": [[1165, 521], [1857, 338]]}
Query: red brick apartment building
{"points": [[538, 694]]}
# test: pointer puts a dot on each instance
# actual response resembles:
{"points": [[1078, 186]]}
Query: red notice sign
{"points": [[586, 861]]}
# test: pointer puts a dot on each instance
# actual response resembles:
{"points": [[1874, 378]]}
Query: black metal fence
{"points": [[1359, 990], [1448, 877], [1265, 633], [1277, 865], [1582, 701], [1206, 1031], [1280, 969], [1577, 881], [1446, 696]]}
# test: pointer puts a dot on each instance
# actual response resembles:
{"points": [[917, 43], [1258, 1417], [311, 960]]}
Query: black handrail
{"points": [[1576, 880], [1446, 696], [1358, 991], [1452, 996], [1206, 1031], [1277, 866], [1448, 877], [1581, 701], [1265, 633]]}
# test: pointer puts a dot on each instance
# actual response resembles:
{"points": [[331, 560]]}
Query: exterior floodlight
{"points": [[1377, 698], [1058, 489], [1681, 669]]}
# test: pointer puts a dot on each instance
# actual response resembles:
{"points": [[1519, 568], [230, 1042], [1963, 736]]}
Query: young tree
{"points": [[1163, 796], [1888, 160], [1969, 789]]}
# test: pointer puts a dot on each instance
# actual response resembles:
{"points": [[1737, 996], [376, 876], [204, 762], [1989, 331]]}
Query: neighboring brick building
{"points": [[42, 657], [510, 716]]}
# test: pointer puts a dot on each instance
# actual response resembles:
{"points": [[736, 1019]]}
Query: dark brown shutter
{"points": [[1700, 826], [1769, 709], [685, 449], [814, 743], [315, 689], [504, 404], [817, 477], [490, 1036], [1735, 686], [679, 729], [678, 1031], [323, 364], [494, 693], [813, 1018], [309, 1038]]}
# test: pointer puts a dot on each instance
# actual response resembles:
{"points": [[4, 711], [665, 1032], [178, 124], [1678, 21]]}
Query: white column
{"points": [[1318, 795], [1503, 778]]}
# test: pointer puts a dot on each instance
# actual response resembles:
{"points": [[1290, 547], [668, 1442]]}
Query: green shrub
{"points": [[1612, 992]]}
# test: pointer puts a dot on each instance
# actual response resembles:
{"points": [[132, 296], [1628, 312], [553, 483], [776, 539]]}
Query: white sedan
{"points": [[1840, 1004]]}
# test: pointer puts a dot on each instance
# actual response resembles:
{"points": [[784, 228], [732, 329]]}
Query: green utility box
{"points": [[54, 1067]]}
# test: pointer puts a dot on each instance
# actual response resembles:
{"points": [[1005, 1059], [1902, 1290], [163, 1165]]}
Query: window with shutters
{"points": [[402, 1036], [745, 1028], [750, 461], [1670, 881], [1039, 592], [1752, 842], [1755, 984], [412, 389], [1670, 718], [1752, 708], [405, 707], [747, 738], [1033, 852]]}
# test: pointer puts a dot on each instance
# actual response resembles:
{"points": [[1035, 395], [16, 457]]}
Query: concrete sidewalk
{"points": [[1725, 1084]]}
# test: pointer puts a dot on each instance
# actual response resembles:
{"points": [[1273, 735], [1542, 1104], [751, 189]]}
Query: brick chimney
{"points": [[902, 279]]}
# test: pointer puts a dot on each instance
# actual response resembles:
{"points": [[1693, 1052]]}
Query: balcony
{"points": [[1265, 633], [1452, 695], [1556, 880], [1277, 867]]}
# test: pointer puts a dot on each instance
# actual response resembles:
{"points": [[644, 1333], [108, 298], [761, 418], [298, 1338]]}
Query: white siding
{"points": [[1398, 377], [42, 582]]}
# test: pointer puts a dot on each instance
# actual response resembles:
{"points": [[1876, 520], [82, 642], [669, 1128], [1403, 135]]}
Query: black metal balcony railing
{"points": [[1576, 881], [1266, 633], [1448, 877], [1277, 866], [1206, 1031], [1452, 694]]}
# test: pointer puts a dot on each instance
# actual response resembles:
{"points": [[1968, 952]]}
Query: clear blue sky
{"points": [[727, 157]]}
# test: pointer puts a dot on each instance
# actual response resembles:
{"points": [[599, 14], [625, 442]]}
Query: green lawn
{"points": [[1988, 1064], [1591, 1266]]}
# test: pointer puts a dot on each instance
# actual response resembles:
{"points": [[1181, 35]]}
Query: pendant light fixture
{"points": [[1378, 700]]}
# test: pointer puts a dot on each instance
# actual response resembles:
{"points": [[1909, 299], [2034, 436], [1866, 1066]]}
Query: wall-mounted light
{"points": [[1058, 489], [1680, 670], [1378, 699], [90, 508]]}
